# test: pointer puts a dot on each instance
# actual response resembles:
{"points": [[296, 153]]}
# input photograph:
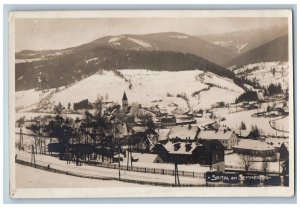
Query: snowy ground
{"points": [[233, 121], [25, 179], [263, 73], [234, 161], [147, 160], [88, 171], [281, 124], [148, 88]]}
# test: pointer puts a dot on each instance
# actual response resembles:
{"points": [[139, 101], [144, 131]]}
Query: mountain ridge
{"points": [[274, 50]]}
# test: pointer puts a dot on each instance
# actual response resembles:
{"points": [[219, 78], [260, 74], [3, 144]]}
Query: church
{"points": [[125, 103]]}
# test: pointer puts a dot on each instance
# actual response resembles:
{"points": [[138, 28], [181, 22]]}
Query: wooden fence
{"points": [[146, 170], [82, 175]]}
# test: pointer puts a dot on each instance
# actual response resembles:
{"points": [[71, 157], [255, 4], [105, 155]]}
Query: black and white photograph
{"points": [[151, 103]]}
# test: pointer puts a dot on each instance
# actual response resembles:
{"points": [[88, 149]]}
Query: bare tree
{"points": [[265, 165], [247, 161]]}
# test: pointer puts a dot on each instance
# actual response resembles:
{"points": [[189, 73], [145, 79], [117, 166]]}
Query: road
{"points": [[106, 173]]}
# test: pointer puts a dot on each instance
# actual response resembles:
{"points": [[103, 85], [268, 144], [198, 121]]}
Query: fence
{"points": [[50, 169], [241, 169], [146, 170]]}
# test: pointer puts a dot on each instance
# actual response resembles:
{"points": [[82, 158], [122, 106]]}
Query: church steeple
{"points": [[124, 103], [124, 97]]}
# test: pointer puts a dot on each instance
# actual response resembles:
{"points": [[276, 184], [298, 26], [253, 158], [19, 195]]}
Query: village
{"points": [[131, 137]]}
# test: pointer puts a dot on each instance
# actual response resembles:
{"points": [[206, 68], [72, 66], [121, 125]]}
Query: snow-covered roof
{"points": [[286, 109], [117, 156], [181, 148], [162, 134], [210, 135], [183, 132], [122, 130], [253, 145], [276, 142], [242, 133], [139, 129]]}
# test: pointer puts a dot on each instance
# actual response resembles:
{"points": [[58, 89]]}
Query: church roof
{"points": [[124, 96]]}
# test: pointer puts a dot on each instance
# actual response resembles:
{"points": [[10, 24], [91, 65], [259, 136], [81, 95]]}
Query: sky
{"points": [[43, 34]]}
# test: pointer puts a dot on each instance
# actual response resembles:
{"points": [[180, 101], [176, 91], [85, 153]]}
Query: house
{"points": [[183, 133], [180, 145], [272, 113], [142, 138], [162, 134], [118, 157], [206, 153], [163, 112], [168, 120], [286, 110], [254, 148], [190, 114], [185, 121], [227, 138], [260, 96], [245, 134]]}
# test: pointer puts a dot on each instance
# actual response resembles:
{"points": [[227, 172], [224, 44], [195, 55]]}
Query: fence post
{"points": [[145, 170], [193, 174]]}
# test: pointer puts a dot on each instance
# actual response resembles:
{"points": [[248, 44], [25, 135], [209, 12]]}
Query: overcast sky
{"points": [[40, 34]]}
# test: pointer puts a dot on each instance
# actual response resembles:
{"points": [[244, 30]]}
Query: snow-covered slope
{"points": [[187, 90], [266, 73]]}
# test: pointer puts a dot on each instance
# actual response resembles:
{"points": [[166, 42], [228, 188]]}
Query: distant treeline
{"points": [[247, 96], [84, 104]]}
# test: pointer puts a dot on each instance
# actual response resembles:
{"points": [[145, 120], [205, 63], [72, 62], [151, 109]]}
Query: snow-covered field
{"points": [[44, 179], [149, 88], [281, 124], [233, 121], [235, 161], [108, 173], [263, 73], [27, 98]]}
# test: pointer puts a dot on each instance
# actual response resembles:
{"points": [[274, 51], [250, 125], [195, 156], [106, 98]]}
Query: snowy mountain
{"points": [[275, 50], [266, 73], [168, 41], [64, 69], [239, 42], [185, 90]]}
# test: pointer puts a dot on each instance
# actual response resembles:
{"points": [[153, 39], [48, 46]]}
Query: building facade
{"points": [[227, 138]]}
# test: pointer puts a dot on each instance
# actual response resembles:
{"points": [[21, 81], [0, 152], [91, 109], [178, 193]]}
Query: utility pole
{"points": [[177, 183], [119, 146], [119, 158], [21, 139], [32, 155], [128, 153]]}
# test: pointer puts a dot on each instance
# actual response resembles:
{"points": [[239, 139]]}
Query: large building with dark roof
{"points": [[181, 146]]}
